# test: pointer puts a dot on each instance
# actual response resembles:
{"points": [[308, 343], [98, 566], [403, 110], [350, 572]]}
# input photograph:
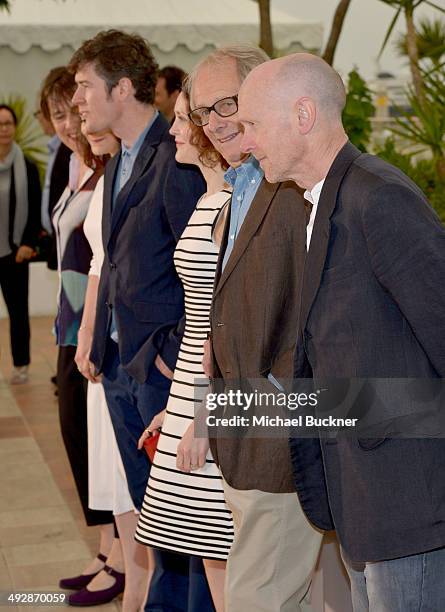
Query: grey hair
{"points": [[246, 56], [186, 86]]}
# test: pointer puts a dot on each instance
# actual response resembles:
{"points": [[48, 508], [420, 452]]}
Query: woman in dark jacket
{"points": [[20, 197]]}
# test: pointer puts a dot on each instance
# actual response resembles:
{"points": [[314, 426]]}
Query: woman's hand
{"points": [[24, 253], [153, 428], [192, 452], [82, 357]]}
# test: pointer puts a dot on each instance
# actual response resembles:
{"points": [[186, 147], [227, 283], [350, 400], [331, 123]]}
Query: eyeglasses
{"points": [[226, 107], [7, 124]]}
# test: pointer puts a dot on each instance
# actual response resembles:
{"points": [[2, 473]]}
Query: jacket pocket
{"points": [[338, 273], [368, 444]]}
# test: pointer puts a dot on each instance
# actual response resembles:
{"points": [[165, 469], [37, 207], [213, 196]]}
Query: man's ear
{"points": [[306, 112], [124, 88]]}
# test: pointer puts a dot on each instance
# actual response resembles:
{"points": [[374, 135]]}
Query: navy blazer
{"points": [[373, 305], [138, 278]]}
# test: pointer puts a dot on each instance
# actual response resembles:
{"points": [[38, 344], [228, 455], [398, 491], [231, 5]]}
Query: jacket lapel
{"points": [[260, 204], [316, 255], [123, 201], [110, 175], [222, 248]]}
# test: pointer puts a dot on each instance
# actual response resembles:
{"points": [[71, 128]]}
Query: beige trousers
{"points": [[274, 553]]}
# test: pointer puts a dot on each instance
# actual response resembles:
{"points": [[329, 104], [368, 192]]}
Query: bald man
{"points": [[372, 306]]}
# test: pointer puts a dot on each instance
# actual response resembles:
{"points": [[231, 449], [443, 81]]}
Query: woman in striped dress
{"points": [[185, 511]]}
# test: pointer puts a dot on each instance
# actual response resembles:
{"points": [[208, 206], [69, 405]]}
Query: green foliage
{"points": [[430, 39], [28, 136], [407, 7], [425, 127], [358, 111], [422, 172]]}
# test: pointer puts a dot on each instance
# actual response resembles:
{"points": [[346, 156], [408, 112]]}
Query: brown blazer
{"points": [[254, 319]]}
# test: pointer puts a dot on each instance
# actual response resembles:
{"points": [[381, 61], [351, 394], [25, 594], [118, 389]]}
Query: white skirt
{"points": [[107, 483]]}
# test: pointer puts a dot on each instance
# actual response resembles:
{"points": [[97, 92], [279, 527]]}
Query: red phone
{"points": [[151, 444]]}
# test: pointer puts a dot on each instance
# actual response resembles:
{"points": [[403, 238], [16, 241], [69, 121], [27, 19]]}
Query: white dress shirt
{"points": [[312, 196]]}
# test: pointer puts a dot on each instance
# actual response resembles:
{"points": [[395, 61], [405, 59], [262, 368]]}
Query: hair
{"points": [[92, 161], [59, 85], [207, 153], [11, 110], [116, 55], [246, 56], [173, 76]]}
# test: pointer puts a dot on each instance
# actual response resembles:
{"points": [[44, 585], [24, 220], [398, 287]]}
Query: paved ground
{"points": [[42, 533]]}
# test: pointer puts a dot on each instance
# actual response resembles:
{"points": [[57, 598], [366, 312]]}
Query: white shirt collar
{"points": [[313, 197]]}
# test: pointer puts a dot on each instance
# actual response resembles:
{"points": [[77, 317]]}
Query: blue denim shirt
{"points": [[125, 168], [127, 158], [245, 181]]}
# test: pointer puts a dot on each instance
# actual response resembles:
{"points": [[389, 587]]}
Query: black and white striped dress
{"points": [[186, 512]]}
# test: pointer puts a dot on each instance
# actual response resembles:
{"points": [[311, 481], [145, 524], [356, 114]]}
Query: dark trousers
{"points": [[72, 388], [14, 279], [132, 407], [178, 583]]}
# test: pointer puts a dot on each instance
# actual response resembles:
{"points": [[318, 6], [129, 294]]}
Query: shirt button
{"points": [[239, 198], [232, 237], [253, 181]]}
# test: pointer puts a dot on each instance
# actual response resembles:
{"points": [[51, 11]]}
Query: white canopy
{"points": [[195, 24], [40, 34]]}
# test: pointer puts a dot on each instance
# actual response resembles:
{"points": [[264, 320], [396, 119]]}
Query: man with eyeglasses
{"points": [[254, 316]]}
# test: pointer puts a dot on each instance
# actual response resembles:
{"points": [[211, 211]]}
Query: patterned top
{"points": [[73, 255]]}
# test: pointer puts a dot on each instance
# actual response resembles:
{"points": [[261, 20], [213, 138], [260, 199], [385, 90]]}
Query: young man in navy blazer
{"points": [[372, 307], [148, 200]]}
